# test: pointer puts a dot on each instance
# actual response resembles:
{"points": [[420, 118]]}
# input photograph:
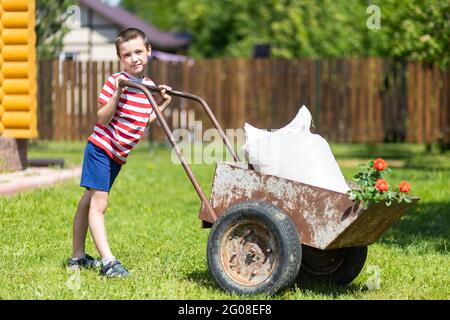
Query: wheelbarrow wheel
{"points": [[253, 248], [338, 266]]}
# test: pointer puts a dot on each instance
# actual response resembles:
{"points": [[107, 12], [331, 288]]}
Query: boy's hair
{"points": [[128, 34]]}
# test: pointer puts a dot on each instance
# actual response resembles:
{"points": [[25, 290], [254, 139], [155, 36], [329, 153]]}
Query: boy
{"points": [[122, 118]]}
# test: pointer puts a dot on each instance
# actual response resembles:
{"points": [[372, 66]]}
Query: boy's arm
{"points": [[106, 111]]}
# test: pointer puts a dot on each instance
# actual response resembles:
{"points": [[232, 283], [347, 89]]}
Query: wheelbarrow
{"points": [[268, 232]]}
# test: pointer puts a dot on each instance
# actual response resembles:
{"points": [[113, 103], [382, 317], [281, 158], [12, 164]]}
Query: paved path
{"points": [[32, 178]]}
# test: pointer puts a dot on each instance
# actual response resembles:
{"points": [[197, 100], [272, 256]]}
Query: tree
{"points": [[50, 28], [161, 13], [295, 28], [412, 29], [418, 30]]}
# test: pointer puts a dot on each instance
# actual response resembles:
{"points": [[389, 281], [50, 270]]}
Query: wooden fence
{"points": [[351, 100]]}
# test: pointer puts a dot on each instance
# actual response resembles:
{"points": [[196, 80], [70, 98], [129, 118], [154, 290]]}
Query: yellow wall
{"points": [[18, 99]]}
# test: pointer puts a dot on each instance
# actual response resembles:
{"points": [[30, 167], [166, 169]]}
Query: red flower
{"points": [[382, 185], [404, 186], [379, 164]]}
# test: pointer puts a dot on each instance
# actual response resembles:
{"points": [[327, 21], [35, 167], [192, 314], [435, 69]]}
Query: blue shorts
{"points": [[99, 171]]}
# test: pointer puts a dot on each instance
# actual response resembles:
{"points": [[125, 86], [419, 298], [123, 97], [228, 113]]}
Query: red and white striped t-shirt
{"points": [[125, 129]]}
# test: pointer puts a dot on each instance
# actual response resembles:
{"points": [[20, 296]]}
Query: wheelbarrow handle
{"points": [[198, 99], [146, 89]]}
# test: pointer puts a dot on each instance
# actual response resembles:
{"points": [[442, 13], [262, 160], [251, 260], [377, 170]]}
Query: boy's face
{"points": [[134, 55]]}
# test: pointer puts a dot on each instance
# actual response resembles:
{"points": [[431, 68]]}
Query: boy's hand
{"points": [[163, 91], [162, 105], [116, 82], [164, 96]]}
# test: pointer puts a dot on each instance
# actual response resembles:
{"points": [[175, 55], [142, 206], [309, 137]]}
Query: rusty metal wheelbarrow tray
{"points": [[325, 219]]}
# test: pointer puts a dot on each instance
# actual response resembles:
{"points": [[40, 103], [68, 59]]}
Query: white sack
{"points": [[294, 153]]}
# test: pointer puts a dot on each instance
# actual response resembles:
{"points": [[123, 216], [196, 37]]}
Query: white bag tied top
{"points": [[294, 153]]}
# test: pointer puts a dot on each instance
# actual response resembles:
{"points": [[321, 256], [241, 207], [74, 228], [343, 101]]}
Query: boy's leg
{"points": [[80, 226], [99, 202]]}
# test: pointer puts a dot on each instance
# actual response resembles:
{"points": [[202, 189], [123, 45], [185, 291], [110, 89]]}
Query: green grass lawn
{"points": [[154, 230]]}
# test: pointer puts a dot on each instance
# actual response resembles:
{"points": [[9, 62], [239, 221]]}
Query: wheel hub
{"points": [[248, 253]]}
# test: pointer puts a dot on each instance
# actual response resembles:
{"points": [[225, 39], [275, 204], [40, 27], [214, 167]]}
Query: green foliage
{"points": [[367, 190], [50, 28], [413, 29], [418, 30], [160, 13]]}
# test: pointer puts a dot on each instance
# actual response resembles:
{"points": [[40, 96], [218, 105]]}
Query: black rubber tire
{"points": [[280, 229], [338, 267]]}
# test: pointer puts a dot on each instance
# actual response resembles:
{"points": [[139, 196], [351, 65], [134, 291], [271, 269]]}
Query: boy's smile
{"points": [[134, 56]]}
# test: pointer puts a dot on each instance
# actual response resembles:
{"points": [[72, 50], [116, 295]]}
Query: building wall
{"points": [[91, 38], [18, 86]]}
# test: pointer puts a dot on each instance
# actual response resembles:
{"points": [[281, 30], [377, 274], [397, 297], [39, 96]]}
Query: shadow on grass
{"points": [[330, 290], [386, 151], [428, 162], [424, 225], [204, 278]]}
